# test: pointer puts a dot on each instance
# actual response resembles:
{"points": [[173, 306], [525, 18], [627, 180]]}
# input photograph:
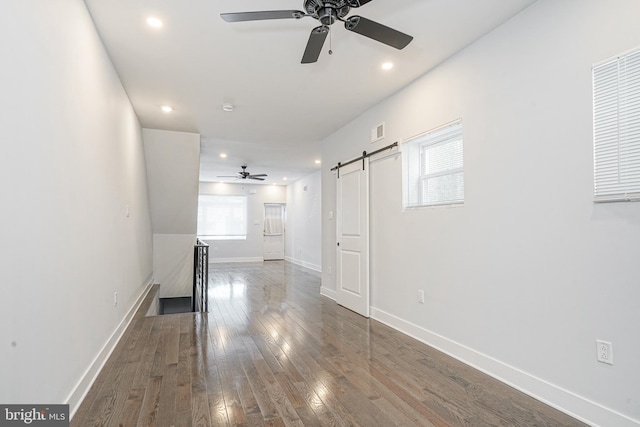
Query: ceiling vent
{"points": [[377, 133]]}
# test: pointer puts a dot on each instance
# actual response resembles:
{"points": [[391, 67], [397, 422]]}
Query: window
{"points": [[433, 167], [222, 217], [616, 129]]}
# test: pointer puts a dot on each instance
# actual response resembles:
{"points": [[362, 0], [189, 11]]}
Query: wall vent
{"points": [[377, 133]]}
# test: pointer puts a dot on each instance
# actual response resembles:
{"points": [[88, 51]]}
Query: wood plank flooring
{"points": [[273, 352]]}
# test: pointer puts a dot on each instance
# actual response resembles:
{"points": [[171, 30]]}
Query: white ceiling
{"points": [[196, 62]]}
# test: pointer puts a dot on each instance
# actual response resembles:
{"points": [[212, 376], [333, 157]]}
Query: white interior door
{"points": [[273, 231], [352, 266]]}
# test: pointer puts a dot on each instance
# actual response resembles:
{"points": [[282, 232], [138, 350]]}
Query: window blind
{"points": [[616, 129], [222, 217], [434, 167], [273, 221]]}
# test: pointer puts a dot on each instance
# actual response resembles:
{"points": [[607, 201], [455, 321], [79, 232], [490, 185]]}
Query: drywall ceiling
{"points": [[196, 62]]}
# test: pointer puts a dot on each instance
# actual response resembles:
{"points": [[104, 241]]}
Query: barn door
{"points": [[352, 263]]}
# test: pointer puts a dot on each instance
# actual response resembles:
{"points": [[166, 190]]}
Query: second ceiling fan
{"points": [[327, 12], [245, 175]]}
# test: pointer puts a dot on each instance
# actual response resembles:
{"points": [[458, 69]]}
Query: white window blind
{"points": [[433, 167], [222, 217], [616, 129], [273, 219]]}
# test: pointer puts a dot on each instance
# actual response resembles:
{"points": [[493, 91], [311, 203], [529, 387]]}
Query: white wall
{"points": [[250, 249], [523, 278], [173, 166], [304, 231], [72, 166]]}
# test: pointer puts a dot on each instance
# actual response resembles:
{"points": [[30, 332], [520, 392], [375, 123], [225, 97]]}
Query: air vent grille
{"points": [[377, 133]]}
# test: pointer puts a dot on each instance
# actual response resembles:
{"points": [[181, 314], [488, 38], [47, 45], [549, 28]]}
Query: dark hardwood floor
{"points": [[273, 352]]}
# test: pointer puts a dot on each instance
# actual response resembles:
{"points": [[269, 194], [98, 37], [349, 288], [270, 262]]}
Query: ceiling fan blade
{"points": [[227, 176], [257, 179], [258, 175], [378, 32], [314, 45], [358, 3], [261, 16]]}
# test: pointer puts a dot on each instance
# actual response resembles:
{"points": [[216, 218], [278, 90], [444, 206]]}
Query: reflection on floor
{"points": [[272, 351]]}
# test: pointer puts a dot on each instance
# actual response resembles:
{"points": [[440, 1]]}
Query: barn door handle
{"points": [[338, 243]]}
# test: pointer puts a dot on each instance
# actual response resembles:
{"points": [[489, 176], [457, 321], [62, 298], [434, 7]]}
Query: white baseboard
{"points": [[566, 401], [304, 264], [329, 293], [238, 259], [86, 381]]}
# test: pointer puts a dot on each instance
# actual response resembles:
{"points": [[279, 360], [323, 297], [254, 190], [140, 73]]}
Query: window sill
{"points": [[439, 206]]}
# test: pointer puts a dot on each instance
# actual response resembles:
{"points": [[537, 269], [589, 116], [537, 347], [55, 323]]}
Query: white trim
{"points": [[632, 197], [615, 57], [81, 389], [238, 259], [328, 292], [557, 397], [304, 264], [435, 206], [435, 129]]}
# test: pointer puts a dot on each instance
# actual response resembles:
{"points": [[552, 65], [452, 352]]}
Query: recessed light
{"points": [[387, 66], [154, 22], [223, 156], [285, 178], [318, 162], [167, 108], [228, 107]]}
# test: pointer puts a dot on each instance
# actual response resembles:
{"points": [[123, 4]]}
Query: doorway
{"points": [[274, 216]]}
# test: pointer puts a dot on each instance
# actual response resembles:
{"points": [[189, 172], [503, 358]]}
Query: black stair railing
{"points": [[200, 299]]}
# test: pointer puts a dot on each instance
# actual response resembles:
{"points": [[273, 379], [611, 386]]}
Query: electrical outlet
{"points": [[115, 299], [420, 296], [604, 352]]}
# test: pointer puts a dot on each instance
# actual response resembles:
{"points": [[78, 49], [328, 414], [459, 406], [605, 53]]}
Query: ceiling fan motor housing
{"points": [[327, 12]]}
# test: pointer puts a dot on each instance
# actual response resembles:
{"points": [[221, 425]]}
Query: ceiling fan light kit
{"points": [[327, 12]]}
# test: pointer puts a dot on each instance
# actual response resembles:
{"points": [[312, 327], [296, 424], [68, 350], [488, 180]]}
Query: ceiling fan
{"points": [[328, 12], [245, 175]]}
